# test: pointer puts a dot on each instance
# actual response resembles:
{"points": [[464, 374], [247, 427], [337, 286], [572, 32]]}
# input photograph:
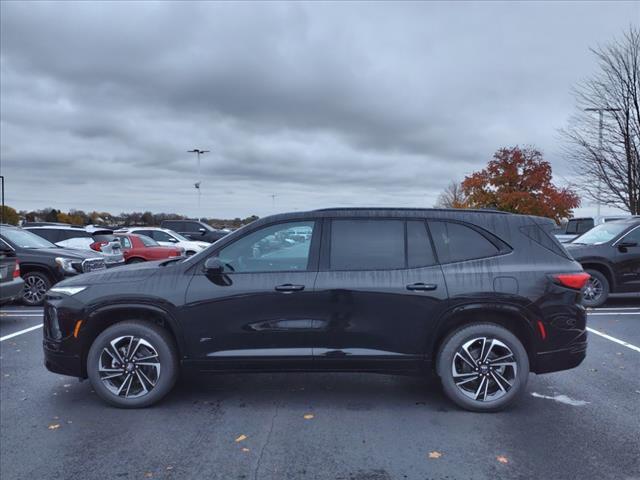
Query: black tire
{"points": [[596, 291], [189, 253], [167, 357], [35, 286], [135, 260], [517, 376]]}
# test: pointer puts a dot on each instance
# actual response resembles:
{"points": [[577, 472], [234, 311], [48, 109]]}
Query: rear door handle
{"points": [[423, 287], [289, 288]]}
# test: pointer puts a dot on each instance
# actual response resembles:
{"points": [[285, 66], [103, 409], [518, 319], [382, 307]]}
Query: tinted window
{"points": [[50, 234], [25, 239], [160, 236], [456, 242], [572, 227], [632, 236], [419, 251], [148, 233], [67, 234], [367, 244], [171, 225], [585, 225], [271, 249]]}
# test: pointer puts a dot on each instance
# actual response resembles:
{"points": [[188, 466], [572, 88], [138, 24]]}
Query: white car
{"points": [[168, 238]]}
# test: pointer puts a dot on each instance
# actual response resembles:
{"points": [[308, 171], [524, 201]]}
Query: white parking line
{"points": [[614, 339], [15, 334], [612, 314], [613, 309]]}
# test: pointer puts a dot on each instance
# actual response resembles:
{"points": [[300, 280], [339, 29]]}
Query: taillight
{"points": [[572, 280], [16, 271], [97, 246]]}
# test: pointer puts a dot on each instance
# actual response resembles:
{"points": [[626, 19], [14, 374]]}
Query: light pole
{"points": [[2, 214], [600, 111], [198, 152]]}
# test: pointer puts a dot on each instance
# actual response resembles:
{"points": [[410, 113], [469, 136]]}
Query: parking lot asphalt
{"points": [[582, 424]]}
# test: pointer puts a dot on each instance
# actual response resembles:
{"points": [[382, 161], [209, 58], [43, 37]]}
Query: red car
{"points": [[140, 248]]}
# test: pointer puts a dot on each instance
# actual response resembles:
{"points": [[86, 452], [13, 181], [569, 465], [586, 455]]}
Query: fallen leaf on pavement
{"points": [[241, 438], [502, 459], [148, 474], [308, 416], [435, 454], [245, 449], [54, 426]]}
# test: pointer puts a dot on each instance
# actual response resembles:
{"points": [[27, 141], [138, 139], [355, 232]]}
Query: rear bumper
{"points": [[10, 291], [563, 359]]}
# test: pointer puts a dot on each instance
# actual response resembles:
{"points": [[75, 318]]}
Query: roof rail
{"points": [[412, 209]]}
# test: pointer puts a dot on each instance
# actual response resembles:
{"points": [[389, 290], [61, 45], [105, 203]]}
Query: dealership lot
{"points": [[582, 423]]}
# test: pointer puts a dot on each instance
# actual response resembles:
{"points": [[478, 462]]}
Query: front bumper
{"points": [[10, 291]]}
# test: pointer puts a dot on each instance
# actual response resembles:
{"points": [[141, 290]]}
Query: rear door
{"points": [[626, 262], [381, 292]]}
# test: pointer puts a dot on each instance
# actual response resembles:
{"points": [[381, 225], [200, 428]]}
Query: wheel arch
{"points": [[108, 315], [504, 315], [604, 269]]}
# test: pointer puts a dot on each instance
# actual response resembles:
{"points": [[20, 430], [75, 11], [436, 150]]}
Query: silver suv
{"points": [[82, 238]]}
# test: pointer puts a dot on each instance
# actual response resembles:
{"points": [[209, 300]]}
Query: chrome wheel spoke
{"points": [[484, 369], [122, 371]]}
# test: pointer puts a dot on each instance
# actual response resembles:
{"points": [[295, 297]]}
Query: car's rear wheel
{"points": [[135, 260], [483, 367], [132, 364], [36, 285], [596, 291]]}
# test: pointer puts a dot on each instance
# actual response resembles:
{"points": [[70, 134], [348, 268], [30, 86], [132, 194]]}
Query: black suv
{"points": [[482, 298], [42, 263], [194, 230], [610, 253]]}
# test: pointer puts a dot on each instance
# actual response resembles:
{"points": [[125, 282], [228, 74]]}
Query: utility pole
{"points": [[2, 214], [600, 111], [273, 202], [198, 152]]}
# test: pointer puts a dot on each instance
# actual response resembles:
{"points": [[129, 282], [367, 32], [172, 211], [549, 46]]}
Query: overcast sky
{"points": [[322, 104]]}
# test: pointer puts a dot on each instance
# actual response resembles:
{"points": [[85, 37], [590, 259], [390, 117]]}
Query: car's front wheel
{"points": [[596, 291], [36, 285], [132, 364], [483, 367]]}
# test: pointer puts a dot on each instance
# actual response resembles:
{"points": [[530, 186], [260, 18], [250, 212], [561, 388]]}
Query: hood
{"points": [[578, 251], [65, 252], [201, 244], [135, 272]]}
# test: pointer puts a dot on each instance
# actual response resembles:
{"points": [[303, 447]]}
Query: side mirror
{"points": [[622, 246], [202, 230], [213, 265]]}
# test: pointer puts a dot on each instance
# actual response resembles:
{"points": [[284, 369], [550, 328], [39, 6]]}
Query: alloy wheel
{"points": [[35, 289], [129, 366], [484, 369], [593, 289]]}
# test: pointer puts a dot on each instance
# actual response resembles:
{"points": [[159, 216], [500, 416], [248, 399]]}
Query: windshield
{"points": [[24, 239], [601, 234]]}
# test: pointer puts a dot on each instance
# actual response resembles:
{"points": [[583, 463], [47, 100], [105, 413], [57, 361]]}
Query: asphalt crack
{"points": [[266, 442]]}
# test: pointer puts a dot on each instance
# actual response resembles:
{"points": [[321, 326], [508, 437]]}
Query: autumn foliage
{"points": [[519, 181]]}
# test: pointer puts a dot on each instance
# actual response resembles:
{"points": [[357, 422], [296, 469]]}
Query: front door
{"points": [[382, 292], [262, 308], [626, 262]]}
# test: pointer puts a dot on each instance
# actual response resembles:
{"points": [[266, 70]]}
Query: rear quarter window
{"points": [[538, 235], [456, 242]]}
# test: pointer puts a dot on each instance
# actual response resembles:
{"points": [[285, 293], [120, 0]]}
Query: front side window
{"points": [[160, 236], [632, 236], [275, 248], [456, 242], [367, 245]]}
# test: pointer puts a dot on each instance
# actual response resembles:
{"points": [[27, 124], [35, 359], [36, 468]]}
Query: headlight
{"points": [[66, 264], [67, 290]]}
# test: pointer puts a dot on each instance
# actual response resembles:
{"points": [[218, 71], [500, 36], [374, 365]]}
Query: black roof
{"points": [[409, 209]]}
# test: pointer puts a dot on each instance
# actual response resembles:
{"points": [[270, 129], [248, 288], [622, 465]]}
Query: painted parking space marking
{"points": [[614, 339], [2, 314], [20, 332], [612, 314]]}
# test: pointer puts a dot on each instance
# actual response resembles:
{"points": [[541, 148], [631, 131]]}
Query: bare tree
{"points": [[609, 175], [451, 197]]}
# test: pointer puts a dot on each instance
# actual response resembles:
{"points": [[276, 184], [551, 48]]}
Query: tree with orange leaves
{"points": [[518, 180]]}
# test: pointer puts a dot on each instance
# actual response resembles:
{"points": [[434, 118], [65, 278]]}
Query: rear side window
{"points": [[125, 242], [171, 225], [456, 242], [67, 234], [419, 251], [51, 234], [367, 245], [538, 235]]}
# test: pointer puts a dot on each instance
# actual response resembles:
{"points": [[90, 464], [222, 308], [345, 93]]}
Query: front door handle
{"points": [[422, 287], [289, 288]]}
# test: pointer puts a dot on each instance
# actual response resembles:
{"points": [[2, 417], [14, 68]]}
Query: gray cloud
{"points": [[322, 104]]}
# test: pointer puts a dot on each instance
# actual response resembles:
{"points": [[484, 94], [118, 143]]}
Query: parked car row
{"points": [[578, 225], [44, 253]]}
